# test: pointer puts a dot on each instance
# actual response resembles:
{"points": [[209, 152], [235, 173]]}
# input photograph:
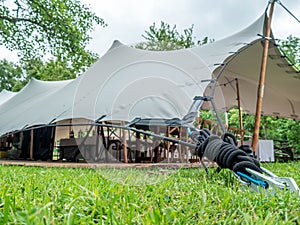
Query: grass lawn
{"points": [[33, 195]]}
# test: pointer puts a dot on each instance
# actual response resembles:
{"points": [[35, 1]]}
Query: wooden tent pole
{"points": [[31, 145], [124, 134], [239, 106], [260, 91]]}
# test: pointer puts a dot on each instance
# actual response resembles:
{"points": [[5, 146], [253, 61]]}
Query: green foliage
{"points": [[210, 115], [276, 128], [49, 28], [285, 130], [291, 49], [32, 195], [272, 128], [11, 76], [50, 70], [167, 38], [248, 120]]}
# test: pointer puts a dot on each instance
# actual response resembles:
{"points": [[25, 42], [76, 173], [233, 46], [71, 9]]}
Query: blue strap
{"points": [[257, 182]]}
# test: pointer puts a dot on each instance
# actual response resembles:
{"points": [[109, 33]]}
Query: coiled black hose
{"points": [[224, 151]]}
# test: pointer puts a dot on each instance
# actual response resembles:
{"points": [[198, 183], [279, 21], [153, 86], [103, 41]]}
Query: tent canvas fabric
{"points": [[23, 109], [281, 90], [128, 83], [6, 95], [124, 84]]}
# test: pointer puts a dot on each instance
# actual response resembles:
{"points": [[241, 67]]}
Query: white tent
{"points": [[124, 84], [28, 103], [128, 83], [6, 95]]}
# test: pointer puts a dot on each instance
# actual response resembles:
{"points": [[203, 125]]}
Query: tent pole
{"points": [[124, 143], [218, 116], [239, 106], [31, 145], [260, 91]]}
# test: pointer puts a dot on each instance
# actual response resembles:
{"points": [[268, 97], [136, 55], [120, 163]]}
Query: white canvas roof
{"points": [[124, 84], [281, 92], [128, 83], [6, 95], [24, 107]]}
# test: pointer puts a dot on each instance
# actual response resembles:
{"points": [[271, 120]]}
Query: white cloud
{"points": [[128, 20]]}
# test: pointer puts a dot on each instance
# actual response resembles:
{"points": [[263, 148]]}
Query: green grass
{"points": [[32, 195]]}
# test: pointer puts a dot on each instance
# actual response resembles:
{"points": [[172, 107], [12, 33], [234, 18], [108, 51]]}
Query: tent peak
{"points": [[115, 44]]}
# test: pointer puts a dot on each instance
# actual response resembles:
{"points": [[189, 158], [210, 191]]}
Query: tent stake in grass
{"points": [[224, 151]]}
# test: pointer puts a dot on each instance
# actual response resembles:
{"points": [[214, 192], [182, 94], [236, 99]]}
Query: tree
{"points": [[291, 49], [49, 70], [168, 38], [277, 129], [55, 28], [11, 76], [14, 76]]}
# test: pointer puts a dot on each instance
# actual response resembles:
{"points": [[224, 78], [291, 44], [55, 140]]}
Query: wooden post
{"points": [[138, 147], [105, 142], [124, 144], [166, 151], [31, 145], [97, 153], [260, 91], [239, 106], [179, 146]]}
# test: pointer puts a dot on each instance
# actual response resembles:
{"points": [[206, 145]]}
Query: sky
{"points": [[127, 20]]}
